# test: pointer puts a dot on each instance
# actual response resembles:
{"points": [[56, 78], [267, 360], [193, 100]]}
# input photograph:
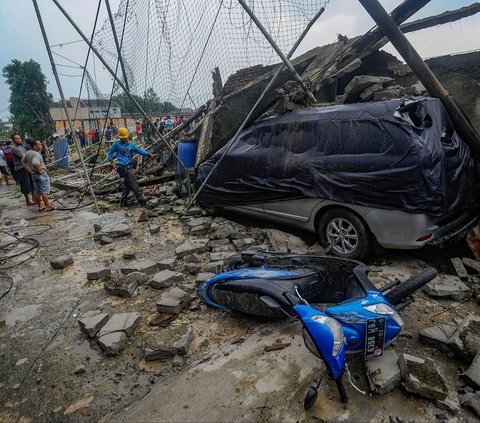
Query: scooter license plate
{"points": [[374, 338]]}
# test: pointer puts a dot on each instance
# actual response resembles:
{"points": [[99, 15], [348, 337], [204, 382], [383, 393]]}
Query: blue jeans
{"points": [[41, 183]]}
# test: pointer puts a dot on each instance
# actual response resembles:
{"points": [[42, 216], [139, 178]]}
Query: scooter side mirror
{"points": [[270, 302]]}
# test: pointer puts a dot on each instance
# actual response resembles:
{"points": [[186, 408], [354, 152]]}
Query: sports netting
{"points": [[172, 46]]}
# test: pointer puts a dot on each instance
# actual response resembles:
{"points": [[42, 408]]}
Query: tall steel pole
{"points": [[252, 111], [117, 44], [119, 81], [277, 49], [64, 103], [423, 73]]}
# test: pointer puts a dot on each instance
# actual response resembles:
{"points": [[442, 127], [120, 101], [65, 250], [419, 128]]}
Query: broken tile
{"points": [[155, 229], [214, 267], [91, 325], [173, 301], [202, 277], [61, 262], [193, 258], [121, 287], [165, 279], [421, 377], [383, 373], [222, 257], [193, 268], [472, 375], [471, 264], [167, 343], [450, 404], [163, 319], [122, 322], [105, 239], [112, 343], [115, 230]]}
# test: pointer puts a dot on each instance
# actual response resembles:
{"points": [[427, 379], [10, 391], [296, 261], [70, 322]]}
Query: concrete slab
{"points": [[383, 373], [91, 325], [447, 286], [173, 301], [122, 322], [165, 279]]}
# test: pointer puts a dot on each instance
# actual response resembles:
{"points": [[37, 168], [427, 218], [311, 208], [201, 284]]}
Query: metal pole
{"points": [[262, 95], [117, 44], [60, 90], [277, 49], [119, 81], [423, 72]]}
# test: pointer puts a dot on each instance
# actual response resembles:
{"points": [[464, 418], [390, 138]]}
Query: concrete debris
{"points": [[466, 339], [459, 268], [368, 93], [165, 279], [98, 273], [61, 262], [145, 266], [213, 267], [383, 373], [138, 277], [168, 343], [155, 229], [190, 247], [193, 268], [122, 287], [168, 263], [122, 322], [112, 343], [143, 217], [97, 227], [202, 277], [104, 239], [79, 369], [163, 319], [129, 255], [438, 337], [91, 325], [283, 241], [244, 243], [225, 248], [199, 221], [472, 375], [114, 230], [450, 404], [421, 377], [360, 82], [152, 203], [173, 301], [447, 286], [471, 401], [188, 287], [222, 257], [218, 243], [471, 264], [193, 258], [193, 211], [219, 231]]}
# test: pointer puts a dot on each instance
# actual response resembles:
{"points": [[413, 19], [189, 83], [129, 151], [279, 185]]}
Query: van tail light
{"points": [[424, 238]]}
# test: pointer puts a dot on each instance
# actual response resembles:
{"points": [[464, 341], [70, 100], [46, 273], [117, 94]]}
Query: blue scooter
{"points": [[340, 309]]}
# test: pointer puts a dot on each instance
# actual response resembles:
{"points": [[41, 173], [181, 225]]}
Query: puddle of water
{"points": [[22, 314]]}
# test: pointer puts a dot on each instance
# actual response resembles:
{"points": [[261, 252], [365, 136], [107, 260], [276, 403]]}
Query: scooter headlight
{"points": [[336, 329], [386, 310]]}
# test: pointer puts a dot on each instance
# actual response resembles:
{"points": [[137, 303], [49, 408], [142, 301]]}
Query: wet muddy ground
{"points": [[41, 344]]}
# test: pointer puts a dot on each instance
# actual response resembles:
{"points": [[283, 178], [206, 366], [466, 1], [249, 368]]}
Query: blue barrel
{"points": [[60, 152], [187, 152]]}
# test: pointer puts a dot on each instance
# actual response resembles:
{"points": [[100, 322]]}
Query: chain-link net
{"points": [[170, 47]]}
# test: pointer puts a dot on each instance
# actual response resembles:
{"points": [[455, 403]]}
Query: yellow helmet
{"points": [[123, 133]]}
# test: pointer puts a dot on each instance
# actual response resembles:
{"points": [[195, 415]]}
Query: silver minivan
{"points": [[393, 172]]}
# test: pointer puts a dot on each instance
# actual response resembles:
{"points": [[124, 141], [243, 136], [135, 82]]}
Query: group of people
{"points": [[144, 129], [25, 162], [94, 135]]}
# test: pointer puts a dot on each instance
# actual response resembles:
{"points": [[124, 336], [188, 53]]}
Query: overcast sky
{"points": [[21, 39]]}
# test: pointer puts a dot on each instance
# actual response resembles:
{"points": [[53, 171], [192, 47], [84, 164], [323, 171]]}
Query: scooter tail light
{"points": [[337, 332]]}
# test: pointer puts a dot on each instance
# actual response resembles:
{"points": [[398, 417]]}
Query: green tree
{"points": [[150, 102], [29, 99]]}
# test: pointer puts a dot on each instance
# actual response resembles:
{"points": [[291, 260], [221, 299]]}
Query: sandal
{"points": [[48, 209], [41, 209]]}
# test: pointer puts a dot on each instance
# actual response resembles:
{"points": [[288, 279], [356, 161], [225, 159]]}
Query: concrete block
{"points": [[472, 375], [471, 402], [61, 262], [191, 246], [91, 325], [98, 273], [459, 268], [471, 264], [383, 373], [466, 339], [122, 322], [193, 268], [173, 301], [155, 229], [214, 267], [165, 279], [121, 287], [450, 404], [112, 343], [168, 263], [202, 277], [145, 266], [167, 343], [437, 337]]}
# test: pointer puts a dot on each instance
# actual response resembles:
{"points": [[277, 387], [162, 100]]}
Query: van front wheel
{"points": [[345, 233]]}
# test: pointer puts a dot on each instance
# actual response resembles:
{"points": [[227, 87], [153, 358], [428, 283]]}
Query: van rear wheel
{"points": [[345, 233]]}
